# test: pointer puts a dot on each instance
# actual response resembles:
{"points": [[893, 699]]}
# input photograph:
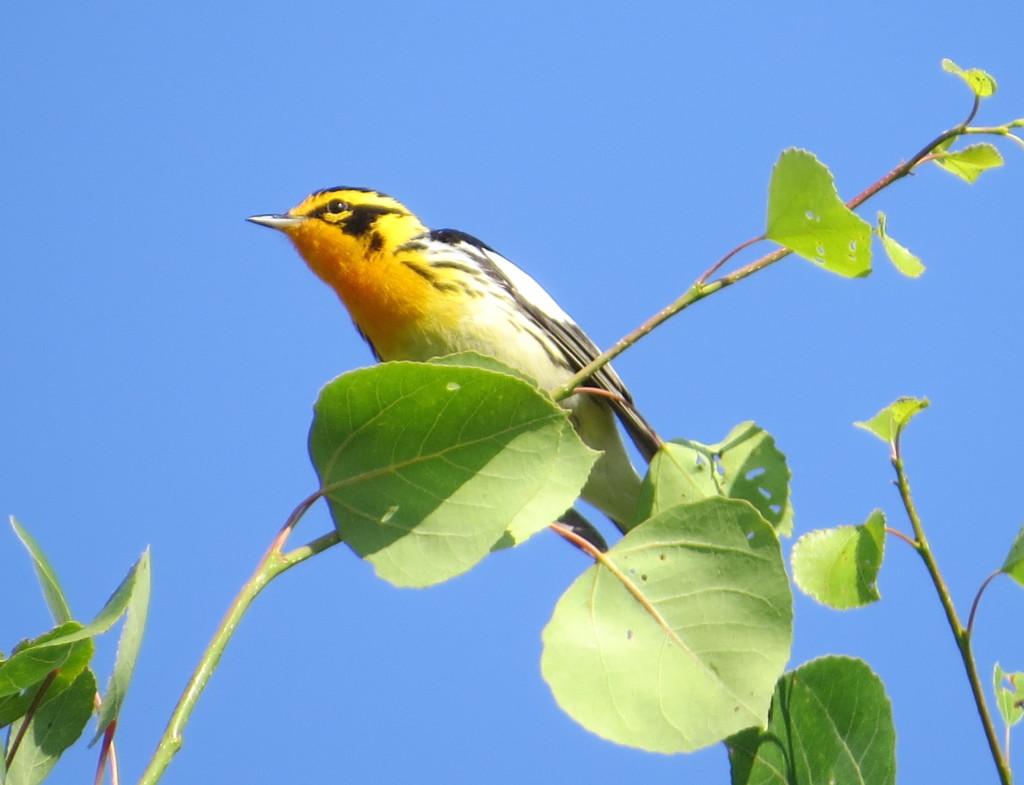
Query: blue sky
{"points": [[161, 355]]}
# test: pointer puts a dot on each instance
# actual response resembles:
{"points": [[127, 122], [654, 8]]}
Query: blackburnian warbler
{"points": [[415, 294]]}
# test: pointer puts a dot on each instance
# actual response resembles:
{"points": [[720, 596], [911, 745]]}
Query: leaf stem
{"points": [[108, 751], [961, 635], [273, 563], [701, 288], [26, 721], [977, 599], [999, 130], [897, 533]]}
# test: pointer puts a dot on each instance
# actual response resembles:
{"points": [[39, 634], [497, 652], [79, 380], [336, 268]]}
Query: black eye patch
{"points": [[363, 218]]}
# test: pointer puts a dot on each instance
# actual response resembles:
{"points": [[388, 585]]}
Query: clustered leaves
{"points": [[678, 636], [48, 690]]}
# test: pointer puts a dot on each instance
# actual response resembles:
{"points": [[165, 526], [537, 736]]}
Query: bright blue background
{"points": [[161, 356]]}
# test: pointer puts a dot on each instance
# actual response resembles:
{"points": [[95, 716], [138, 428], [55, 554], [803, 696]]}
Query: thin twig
{"points": [[701, 288], [717, 265], [977, 600], [107, 752], [37, 699], [902, 536], [270, 566], [961, 636]]}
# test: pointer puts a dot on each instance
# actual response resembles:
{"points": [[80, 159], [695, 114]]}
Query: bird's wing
{"points": [[572, 342]]}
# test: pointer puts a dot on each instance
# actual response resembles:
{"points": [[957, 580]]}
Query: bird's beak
{"points": [[283, 222]]}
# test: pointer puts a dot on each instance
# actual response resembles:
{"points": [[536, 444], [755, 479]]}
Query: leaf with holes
{"points": [[426, 466], [806, 215], [754, 469], [839, 567], [745, 465], [831, 721], [674, 640]]}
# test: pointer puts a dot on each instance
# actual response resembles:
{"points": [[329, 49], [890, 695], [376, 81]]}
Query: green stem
{"points": [[961, 635], [701, 288], [273, 564]]}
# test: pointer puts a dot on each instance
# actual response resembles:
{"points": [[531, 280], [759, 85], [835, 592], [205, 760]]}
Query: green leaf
{"points": [[806, 215], [1014, 563], [427, 466], [839, 567], [830, 722], [54, 727], [109, 613], [1009, 690], [128, 647], [970, 162], [31, 661], [889, 423], [484, 361], [680, 472], [904, 260], [11, 708], [981, 83], [52, 591], [745, 465], [678, 643], [754, 469]]}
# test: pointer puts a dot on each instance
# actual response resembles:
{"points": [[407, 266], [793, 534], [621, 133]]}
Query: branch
{"points": [[701, 288], [273, 563], [961, 635]]}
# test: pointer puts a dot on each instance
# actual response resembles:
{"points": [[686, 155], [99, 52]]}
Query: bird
{"points": [[414, 294]]}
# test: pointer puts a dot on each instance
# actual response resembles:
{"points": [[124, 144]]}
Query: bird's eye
{"points": [[336, 206]]}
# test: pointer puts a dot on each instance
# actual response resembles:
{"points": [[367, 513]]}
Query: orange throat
{"points": [[386, 298]]}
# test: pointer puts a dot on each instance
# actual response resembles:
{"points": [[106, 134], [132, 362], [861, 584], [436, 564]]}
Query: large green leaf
{"points": [[830, 722], [806, 215], [676, 640], [427, 466]]}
